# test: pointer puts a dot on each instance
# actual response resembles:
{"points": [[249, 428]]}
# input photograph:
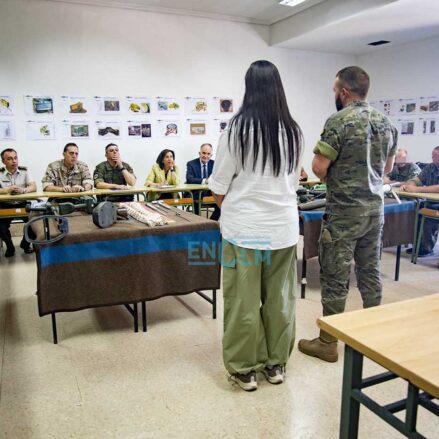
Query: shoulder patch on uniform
{"points": [[22, 168], [2, 169]]}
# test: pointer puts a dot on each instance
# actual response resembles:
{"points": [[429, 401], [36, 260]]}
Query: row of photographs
{"points": [[110, 105], [407, 106], [145, 129]]}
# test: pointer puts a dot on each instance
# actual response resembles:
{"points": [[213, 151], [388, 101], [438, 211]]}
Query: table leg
{"points": [[136, 317], [213, 304], [350, 408], [411, 413], [398, 261], [55, 335], [303, 278], [415, 233], [144, 316]]}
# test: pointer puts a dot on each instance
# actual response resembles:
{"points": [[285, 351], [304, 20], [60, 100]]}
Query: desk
{"points": [[399, 337], [127, 263], [398, 230]]}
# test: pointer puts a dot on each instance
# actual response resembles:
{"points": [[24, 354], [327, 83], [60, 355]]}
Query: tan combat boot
{"points": [[323, 347]]}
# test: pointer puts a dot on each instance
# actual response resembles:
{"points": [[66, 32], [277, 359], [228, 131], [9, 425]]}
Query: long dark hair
{"points": [[161, 156], [264, 112]]}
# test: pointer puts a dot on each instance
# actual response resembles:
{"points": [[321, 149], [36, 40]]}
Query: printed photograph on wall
{"points": [[139, 130], [6, 105], [223, 105], [406, 127], [196, 105], [75, 104], [138, 105], [197, 128], [76, 129], [38, 105], [7, 130], [429, 126], [169, 128], [407, 106], [168, 105], [221, 125], [108, 130], [40, 130], [107, 105], [429, 104]]}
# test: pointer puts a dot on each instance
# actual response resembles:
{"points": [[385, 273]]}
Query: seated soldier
{"points": [[114, 174], [402, 170], [69, 174], [14, 179]]}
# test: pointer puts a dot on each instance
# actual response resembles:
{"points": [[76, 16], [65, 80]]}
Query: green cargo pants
{"points": [[259, 307], [342, 239]]}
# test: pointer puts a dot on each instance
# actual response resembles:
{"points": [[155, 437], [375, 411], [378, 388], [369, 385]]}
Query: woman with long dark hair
{"points": [[254, 181]]}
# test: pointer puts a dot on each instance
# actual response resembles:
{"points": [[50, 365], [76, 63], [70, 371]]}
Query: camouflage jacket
{"points": [[357, 140], [104, 172], [429, 176], [58, 175], [405, 173]]}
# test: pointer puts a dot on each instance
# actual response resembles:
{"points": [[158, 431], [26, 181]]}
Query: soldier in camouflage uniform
{"points": [[68, 174], [114, 174], [402, 170], [427, 181], [357, 147]]}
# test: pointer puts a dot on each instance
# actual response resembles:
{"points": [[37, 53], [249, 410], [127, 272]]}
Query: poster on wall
{"points": [[38, 105], [196, 105], [429, 104], [406, 127], [220, 125], [7, 130], [75, 104], [169, 128], [76, 129], [139, 129], [7, 105], [407, 106], [168, 106], [428, 125], [108, 129], [40, 130], [197, 127], [138, 105], [223, 105], [387, 106], [107, 105]]}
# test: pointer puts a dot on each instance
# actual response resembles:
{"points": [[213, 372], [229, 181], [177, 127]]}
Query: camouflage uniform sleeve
{"points": [[129, 169], [421, 178], [86, 176], [330, 140], [49, 177], [98, 175], [394, 147], [392, 174], [414, 171]]}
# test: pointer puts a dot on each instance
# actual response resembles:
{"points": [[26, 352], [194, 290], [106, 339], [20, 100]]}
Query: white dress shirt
{"points": [[259, 210]]}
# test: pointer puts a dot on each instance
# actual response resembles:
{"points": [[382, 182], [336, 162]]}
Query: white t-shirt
{"points": [[259, 210]]}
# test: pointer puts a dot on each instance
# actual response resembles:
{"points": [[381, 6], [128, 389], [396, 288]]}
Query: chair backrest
{"points": [[179, 201], [208, 200], [430, 213]]}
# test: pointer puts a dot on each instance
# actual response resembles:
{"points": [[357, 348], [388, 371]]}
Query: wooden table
{"points": [[401, 337]]}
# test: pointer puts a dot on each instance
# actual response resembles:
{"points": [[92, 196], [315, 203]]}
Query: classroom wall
{"points": [[407, 71], [66, 49]]}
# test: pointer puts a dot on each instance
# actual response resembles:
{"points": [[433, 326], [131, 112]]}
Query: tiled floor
{"points": [[104, 381]]}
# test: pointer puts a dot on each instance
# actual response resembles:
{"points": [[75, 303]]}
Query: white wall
{"points": [[65, 49], [407, 71]]}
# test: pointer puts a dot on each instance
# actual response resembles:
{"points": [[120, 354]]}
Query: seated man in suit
{"points": [[198, 172], [14, 180]]}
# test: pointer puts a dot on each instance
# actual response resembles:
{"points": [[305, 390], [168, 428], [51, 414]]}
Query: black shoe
{"points": [[274, 374], [27, 247], [9, 252], [246, 381]]}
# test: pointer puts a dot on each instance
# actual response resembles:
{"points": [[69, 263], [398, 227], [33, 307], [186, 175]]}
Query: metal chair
{"points": [[425, 213]]}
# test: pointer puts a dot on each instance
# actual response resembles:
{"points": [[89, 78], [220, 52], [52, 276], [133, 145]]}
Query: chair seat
{"points": [[429, 213]]}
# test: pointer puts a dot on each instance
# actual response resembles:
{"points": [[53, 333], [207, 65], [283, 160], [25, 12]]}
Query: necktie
{"points": [[204, 172]]}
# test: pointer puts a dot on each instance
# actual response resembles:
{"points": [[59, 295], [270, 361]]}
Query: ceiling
{"points": [[338, 26]]}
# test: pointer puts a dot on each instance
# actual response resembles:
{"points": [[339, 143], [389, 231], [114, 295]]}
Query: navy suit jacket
{"points": [[193, 171]]}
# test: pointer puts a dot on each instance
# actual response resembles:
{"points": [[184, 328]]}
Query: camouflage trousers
{"points": [[342, 239]]}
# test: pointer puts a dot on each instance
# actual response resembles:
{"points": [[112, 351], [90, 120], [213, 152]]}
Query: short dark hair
{"points": [[7, 150], [110, 144], [354, 79], [161, 156], [68, 145]]}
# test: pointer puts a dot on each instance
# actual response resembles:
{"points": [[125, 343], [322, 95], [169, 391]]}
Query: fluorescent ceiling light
{"points": [[291, 2]]}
